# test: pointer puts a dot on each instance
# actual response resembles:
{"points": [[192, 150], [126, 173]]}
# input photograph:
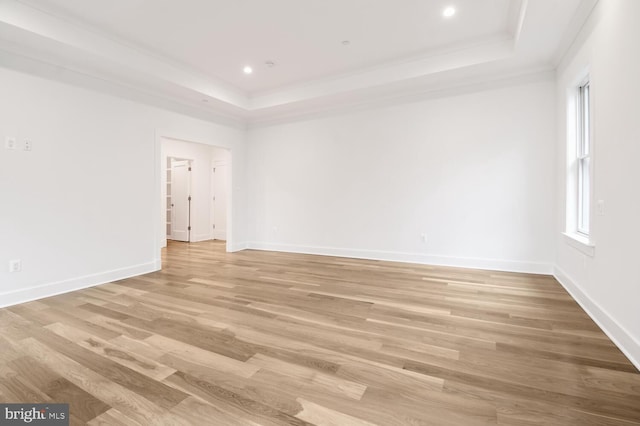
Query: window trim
{"points": [[580, 243], [583, 242], [583, 158]]}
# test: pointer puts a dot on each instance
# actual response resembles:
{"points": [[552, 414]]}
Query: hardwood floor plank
{"points": [[157, 392], [138, 408], [234, 402], [326, 382], [323, 416], [201, 356], [136, 362], [19, 388], [265, 338], [197, 412], [624, 408], [112, 417], [86, 406]]}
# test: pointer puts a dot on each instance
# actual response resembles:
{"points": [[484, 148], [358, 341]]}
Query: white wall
{"points": [[473, 172], [607, 284], [84, 206]]}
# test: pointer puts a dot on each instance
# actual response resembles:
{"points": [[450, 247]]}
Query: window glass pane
{"points": [[580, 192], [580, 122], [585, 120], [583, 195]]}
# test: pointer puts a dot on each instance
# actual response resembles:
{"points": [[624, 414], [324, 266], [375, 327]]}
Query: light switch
{"points": [[15, 265], [10, 143], [600, 207]]}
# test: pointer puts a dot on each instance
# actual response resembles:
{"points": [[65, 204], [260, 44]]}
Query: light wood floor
{"points": [[270, 338]]}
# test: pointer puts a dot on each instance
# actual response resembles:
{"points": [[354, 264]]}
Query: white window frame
{"points": [[583, 158], [580, 153]]}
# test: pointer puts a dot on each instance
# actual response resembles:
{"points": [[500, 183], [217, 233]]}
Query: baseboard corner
{"points": [[232, 248], [618, 334]]}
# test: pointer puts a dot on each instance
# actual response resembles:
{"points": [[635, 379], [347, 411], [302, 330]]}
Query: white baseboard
{"points": [[201, 237], [426, 259], [616, 332], [73, 284], [231, 248]]}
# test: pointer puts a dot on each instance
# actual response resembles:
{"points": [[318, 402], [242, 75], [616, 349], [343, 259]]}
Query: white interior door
{"points": [[219, 185], [180, 200]]}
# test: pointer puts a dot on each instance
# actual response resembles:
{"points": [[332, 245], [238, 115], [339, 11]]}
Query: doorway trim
{"points": [[159, 225], [212, 217]]}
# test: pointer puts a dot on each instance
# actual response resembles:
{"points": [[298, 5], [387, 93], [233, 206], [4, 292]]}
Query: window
{"points": [[583, 158], [578, 232]]}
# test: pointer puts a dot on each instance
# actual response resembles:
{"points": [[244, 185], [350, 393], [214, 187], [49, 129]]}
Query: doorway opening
{"points": [[196, 191]]}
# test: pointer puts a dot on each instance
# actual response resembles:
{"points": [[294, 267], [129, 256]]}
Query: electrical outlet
{"points": [[423, 237], [600, 207], [28, 145], [10, 143], [15, 265]]}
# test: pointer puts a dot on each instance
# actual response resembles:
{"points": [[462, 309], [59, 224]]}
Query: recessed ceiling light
{"points": [[270, 64], [205, 100], [247, 70], [449, 12], [346, 42]]}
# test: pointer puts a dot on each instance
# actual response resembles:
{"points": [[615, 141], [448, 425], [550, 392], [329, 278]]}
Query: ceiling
{"points": [[324, 53]]}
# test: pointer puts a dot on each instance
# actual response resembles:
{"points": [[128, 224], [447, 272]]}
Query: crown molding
{"points": [[38, 42], [432, 90]]}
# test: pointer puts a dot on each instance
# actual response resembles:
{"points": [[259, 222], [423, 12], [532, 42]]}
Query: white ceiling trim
{"points": [[94, 47], [516, 18], [135, 93], [30, 33], [391, 98], [454, 57], [90, 44], [464, 57], [580, 20]]}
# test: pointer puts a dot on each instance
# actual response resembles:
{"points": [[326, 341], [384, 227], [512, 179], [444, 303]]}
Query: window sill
{"points": [[580, 243]]}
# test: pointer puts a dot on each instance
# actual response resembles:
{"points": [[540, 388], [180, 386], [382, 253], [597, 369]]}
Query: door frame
{"points": [[212, 218], [159, 215]]}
